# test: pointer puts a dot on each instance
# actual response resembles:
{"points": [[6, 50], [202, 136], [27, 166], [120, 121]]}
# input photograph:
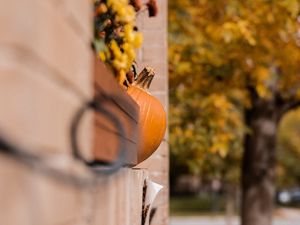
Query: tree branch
{"points": [[287, 106]]}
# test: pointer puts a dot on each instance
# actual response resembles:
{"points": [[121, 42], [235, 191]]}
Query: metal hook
{"points": [[97, 166]]}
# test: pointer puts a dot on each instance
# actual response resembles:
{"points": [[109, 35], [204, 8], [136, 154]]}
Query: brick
{"points": [[154, 54], [159, 84], [139, 55], [164, 148], [35, 29], [30, 197], [16, 205], [159, 21], [78, 16], [158, 161], [55, 202], [38, 113], [157, 37], [154, 163], [163, 98], [159, 177]]}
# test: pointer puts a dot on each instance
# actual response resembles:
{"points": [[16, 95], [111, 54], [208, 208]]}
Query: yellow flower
{"points": [[138, 40], [121, 14], [119, 64], [126, 47], [128, 33], [130, 14], [124, 60], [102, 8], [122, 76], [121, 56], [115, 49], [129, 50], [102, 56]]}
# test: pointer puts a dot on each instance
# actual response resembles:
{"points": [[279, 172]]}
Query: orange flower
{"points": [[152, 8], [137, 4]]}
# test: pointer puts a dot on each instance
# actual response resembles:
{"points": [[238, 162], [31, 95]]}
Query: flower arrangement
{"points": [[116, 36], [115, 41]]}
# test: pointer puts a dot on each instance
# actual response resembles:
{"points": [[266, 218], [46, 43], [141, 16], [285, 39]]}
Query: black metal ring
{"points": [[96, 166]]}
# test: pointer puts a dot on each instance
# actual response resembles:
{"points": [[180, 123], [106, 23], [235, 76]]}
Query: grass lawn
{"points": [[208, 204], [196, 205]]}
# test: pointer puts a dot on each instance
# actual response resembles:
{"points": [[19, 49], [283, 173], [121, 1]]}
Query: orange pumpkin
{"points": [[152, 121]]}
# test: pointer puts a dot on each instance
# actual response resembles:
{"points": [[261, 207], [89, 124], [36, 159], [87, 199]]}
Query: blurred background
{"points": [[234, 117], [211, 195]]}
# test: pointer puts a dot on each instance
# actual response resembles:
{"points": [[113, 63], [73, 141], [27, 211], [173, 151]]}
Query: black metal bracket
{"points": [[97, 166]]}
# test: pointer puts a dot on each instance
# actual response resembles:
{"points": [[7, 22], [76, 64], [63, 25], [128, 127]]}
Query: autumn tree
{"points": [[228, 57], [288, 150]]}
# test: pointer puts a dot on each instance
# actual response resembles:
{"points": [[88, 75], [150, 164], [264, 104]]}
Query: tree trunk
{"points": [[258, 169]]}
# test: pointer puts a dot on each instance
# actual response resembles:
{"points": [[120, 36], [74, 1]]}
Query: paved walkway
{"points": [[201, 220], [282, 217], [221, 221]]}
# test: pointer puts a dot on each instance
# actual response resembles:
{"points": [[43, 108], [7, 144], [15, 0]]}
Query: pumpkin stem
{"points": [[145, 78]]}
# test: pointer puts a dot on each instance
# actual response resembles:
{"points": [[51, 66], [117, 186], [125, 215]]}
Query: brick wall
{"points": [[46, 72], [154, 53]]}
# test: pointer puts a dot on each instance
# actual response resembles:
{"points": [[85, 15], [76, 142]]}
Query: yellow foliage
{"points": [[219, 53], [293, 7]]}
